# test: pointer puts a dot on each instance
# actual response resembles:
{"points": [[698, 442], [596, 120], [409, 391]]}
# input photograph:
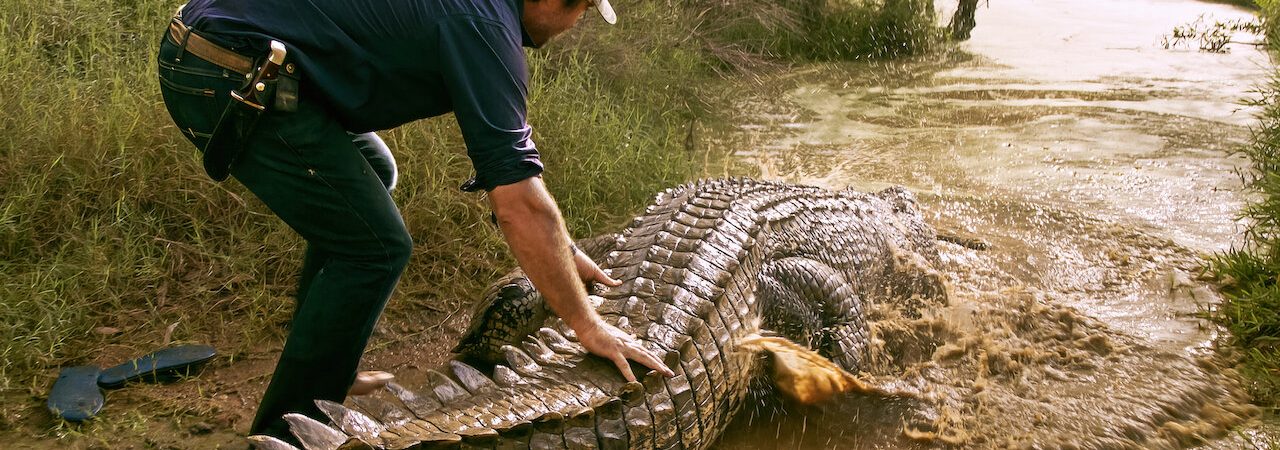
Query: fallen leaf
{"points": [[168, 334]]}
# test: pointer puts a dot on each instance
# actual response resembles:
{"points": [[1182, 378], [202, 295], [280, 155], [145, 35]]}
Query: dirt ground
{"points": [[213, 409]]}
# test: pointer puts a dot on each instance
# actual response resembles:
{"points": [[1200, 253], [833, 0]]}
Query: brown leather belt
{"points": [[208, 51]]}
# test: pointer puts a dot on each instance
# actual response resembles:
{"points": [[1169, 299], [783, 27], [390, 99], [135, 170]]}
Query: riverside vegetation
{"points": [[1250, 275], [111, 235]]}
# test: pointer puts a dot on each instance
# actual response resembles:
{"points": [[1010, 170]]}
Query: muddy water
{"points": [[1092, 165]]}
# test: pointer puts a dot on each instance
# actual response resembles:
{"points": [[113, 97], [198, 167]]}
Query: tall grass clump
{"points": [[846, 30], [828, 30], [1251, 274]]}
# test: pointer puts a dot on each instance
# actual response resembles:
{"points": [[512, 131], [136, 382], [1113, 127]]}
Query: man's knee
{"points": [[386, 249]]}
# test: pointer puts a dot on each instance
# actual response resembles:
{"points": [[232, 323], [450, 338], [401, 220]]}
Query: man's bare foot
{"points": [[369, 381]]}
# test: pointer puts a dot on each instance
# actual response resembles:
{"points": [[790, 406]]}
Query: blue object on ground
{"points": [[75, 397], [163, 365]]}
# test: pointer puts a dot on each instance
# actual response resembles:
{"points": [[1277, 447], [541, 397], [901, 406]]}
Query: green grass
{"points": [[1251, 309], [868, 30], [106, 219], [1252, 315], [822, 30], [1251, 4]]}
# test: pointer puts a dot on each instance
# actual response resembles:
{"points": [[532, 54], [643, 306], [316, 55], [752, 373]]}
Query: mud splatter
{"points": [[1012, 368]]}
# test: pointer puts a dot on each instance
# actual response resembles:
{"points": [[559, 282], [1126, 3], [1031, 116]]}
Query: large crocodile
{"points": [[706, 269]]}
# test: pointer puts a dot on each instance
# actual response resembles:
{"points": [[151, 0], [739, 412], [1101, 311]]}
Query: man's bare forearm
{"points": [[535, 232]]}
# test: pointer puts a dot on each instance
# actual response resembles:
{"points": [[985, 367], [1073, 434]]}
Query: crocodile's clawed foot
{"points": [[802, 374]]}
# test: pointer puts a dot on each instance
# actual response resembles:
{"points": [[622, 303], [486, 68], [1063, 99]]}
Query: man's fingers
{"points": [[621, 362], [605, 279], [613, 344], [647, 359]]}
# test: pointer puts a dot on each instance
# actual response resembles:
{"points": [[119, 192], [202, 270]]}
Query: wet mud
{"points": [[1078, 172]]}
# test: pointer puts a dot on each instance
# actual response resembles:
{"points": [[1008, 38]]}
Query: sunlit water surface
{"points": [[1096, 165]]}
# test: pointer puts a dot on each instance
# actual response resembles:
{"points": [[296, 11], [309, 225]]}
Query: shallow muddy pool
{"points": [[1092, 167]]}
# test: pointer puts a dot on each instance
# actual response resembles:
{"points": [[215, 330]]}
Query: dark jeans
{"points": [[332, 188]]}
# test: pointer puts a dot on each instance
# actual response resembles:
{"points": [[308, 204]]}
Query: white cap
{"points": [[606, 11]]}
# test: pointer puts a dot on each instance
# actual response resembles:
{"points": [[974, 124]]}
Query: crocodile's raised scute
{"points": [[707, 267]]}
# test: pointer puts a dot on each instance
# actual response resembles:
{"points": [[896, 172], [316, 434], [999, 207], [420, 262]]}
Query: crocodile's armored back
{"points": [[706, 267]]}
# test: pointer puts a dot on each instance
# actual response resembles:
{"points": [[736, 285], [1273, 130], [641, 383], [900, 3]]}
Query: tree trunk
{"points": [[962, 21]]}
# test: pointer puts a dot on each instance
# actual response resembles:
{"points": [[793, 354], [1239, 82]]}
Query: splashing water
{"points": [[1092, 165]]}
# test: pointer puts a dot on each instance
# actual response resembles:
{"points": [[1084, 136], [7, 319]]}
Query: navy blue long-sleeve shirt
{"points": [[378, 64]]}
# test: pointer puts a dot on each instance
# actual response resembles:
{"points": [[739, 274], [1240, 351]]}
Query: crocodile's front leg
{"points": [[814, 304]]}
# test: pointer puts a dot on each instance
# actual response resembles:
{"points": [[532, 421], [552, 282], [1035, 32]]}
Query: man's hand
{"points": [[608, 342], [589, 271]]}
